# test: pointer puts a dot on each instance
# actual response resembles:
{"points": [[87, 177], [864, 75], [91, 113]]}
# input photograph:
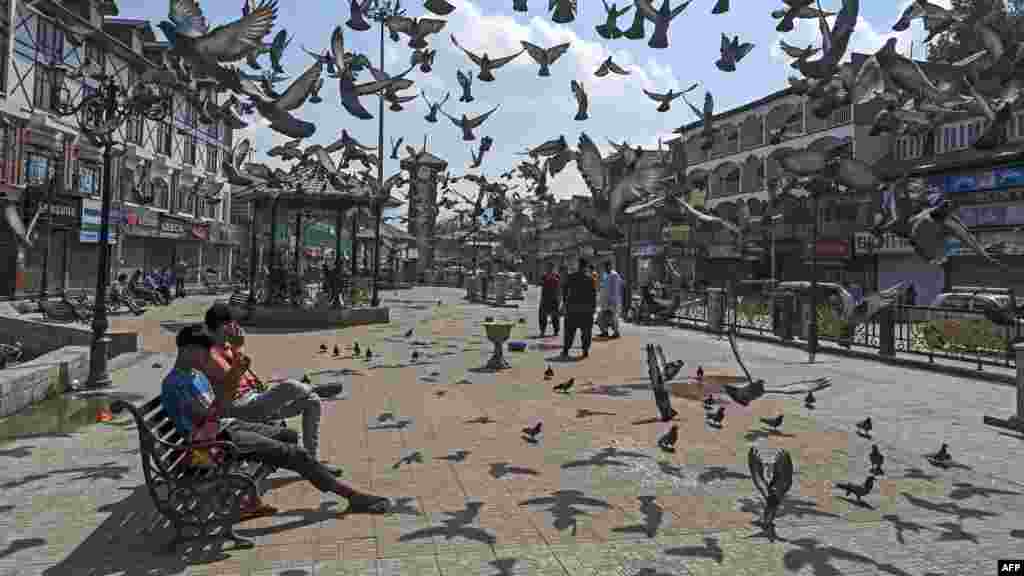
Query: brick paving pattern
{"points": [[593, 496]]}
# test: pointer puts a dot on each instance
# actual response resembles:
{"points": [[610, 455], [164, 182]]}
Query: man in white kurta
{"points": [[611, 296]]}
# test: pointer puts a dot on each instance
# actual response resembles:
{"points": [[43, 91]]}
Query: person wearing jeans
{"points": [[282, 399], [195, 407], [549, 296], [580, 300]]}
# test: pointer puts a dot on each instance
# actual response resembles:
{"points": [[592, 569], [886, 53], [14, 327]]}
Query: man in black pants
{"points": [[189, 400], [549, 299], [580, 300]]}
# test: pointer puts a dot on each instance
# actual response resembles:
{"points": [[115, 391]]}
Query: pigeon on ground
{"points": [[732, 52], [545, 57], [582, 100], [323, 348], [564, 387], [467, 124], [408, 333], [941, 457], [877, 460], [716, 418], [609, 66], [864, 427], [549, 373], [858, 490], [369, 354], [355, 348], [773, 491], [610, 29], [809, 400], [700, 372], [415, 355], [466, 83], [533, 431], [709, 402], [485, 63], [662, 18], [668, 441], [774, 423]]}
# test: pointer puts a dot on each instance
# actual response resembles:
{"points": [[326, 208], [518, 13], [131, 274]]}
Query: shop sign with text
{"points": [[866, 243], [89, 232], [60, 212], [832, 249], [172, 228], [645, 250]]}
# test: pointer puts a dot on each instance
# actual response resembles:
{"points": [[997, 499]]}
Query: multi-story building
{"points": [[182, 209], [737, 168]]}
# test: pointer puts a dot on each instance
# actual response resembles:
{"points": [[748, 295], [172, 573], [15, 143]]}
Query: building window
{"points": [[88, 179], [47, 84], [49, 42], [211, 158], [165, 139], [95, 55], [733, 144], [37, 168], [133, 129], [200, 206], [5, 34], [161, 194], [731, 183]]}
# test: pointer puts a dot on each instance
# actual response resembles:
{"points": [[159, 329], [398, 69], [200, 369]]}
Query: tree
{"points": [[962, 41]]}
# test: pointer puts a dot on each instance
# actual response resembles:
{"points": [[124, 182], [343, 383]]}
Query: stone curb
{"points": [[994, 377]]}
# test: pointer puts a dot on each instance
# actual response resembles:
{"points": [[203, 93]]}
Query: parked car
{"points": [[999, 309]]}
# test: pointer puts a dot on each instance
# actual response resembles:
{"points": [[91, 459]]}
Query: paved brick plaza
{"points": [[570, 505]]}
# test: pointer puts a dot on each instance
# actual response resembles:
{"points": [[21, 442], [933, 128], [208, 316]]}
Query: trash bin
{"points": [[716, 309]]}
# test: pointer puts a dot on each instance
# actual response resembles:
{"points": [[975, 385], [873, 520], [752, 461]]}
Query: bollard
{"points": [[886, 332]]}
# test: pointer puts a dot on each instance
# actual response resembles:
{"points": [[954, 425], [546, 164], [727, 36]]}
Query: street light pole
{"points": [[99, 375]]}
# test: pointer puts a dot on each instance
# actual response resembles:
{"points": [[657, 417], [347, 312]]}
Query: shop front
{"points": [[84, 254], [645, 261], [168, 242], [55, 236], [681, 255]]}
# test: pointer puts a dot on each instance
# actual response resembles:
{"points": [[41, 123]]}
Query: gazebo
{"points": [[306, 188]]}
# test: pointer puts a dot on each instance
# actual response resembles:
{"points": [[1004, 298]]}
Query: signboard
{"points": [[1005, 177], [677, 233], [865, 243], [992, 196], [172, 228], [61, 213], [646, 250], [832, 249], [89, 232]]}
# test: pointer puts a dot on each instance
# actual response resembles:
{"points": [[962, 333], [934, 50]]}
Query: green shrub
{"points": [[830, 324], [973, 336], [751, 310]]}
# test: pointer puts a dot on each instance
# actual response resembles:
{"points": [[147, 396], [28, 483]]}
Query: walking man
{"points": [[580, 299], [611, 300], [549, 299], [179, 278]]}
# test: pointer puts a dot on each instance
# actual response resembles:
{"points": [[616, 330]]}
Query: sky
{"points": [[534, 109]]}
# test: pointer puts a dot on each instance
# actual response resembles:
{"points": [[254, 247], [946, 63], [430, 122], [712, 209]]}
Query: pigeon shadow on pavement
{"points": [[950, 508], [564, 507], [653, 515], [918, 474], [720, 474], [953, 532], [504, 566], [791, 507], [810, 553], [616, 390], [563, 360], [1017, 534], [711, 549], [603, 458], [966, 490], [18, 544], [642, 421], [502, 469], [19, 452], [108, 471], [757, 434], [902, 526], [396, 425], [303, 517], [1011, 435], [855, 502], [5, 508], [458, 524]]}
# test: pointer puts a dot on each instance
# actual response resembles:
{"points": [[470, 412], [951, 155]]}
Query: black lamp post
{"points": [[379, 11], [99, 115]]}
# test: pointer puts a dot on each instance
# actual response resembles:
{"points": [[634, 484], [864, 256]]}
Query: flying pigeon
{"points": [[357, 16], [395, 144], [721, 7], [665, 100], [520, 6], [858, 490], [773, 491], [396, 100], [425, 59], [279, 111], [478, 158], [662, 18], [732, 52], [582, 101], [667, 441], [877, 460], [434, 106], [545, 56], [552, 147], [705, 116], [565, 11], [417, 29], [350, 91], [468, 124], [610, 29], [609, 66], [275, 49], [798, 53], [836, 40], [796, 9], [439, 7], [637, 30], [486, 64], [466, 83], [936, 18]]}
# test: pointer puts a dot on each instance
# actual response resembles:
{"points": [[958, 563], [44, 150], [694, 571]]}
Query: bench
{"points": [[193, 499]]}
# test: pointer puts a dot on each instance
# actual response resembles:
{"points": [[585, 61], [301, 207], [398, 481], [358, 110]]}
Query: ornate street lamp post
{"points": [[99, 116], [379, 11]]}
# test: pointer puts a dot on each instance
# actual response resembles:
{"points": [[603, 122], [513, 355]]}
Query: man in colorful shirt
{"points": [[611, 300], [194, 406], [549, 299], [283, 399]]}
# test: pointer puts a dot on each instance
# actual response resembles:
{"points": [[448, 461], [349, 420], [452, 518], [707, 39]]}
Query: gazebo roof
{"points": [[307, 185], [423, 158]]}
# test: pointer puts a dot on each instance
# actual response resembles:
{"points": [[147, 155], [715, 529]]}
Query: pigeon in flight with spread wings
{"points": [[279, 111], [564, 11], [288, 151], [796, 9], [936, 18], [417, 29], [836, 41], [582, 100], [395, 145], [545, 56], [662, 18], [609, 66], [478, 157], [641, 176], [485, 63], [468, 124], [466, 83], [665, 100], [424, 58], [732, 52], [798, 54], [553, 147], [439, 7], [434, 107], [233, 166], [773, 489], [610, 29]]}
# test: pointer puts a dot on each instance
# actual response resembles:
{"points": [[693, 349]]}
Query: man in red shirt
{"points": [[549, 299], [253, 403]]}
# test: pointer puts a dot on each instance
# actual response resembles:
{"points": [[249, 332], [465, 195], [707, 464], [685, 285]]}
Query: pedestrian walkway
{"points": [[593, 496]]}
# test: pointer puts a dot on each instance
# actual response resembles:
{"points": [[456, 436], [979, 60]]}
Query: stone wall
{"points": [[50, 374], [38, 337]]}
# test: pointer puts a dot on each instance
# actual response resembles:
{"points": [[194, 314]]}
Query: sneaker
{"points": [[334, 470], [586, 354], [360, 503], [563, 356]]}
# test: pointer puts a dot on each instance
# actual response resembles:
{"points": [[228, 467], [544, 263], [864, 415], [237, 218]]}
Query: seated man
{"points": [[283, 399], [188, 399]]}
